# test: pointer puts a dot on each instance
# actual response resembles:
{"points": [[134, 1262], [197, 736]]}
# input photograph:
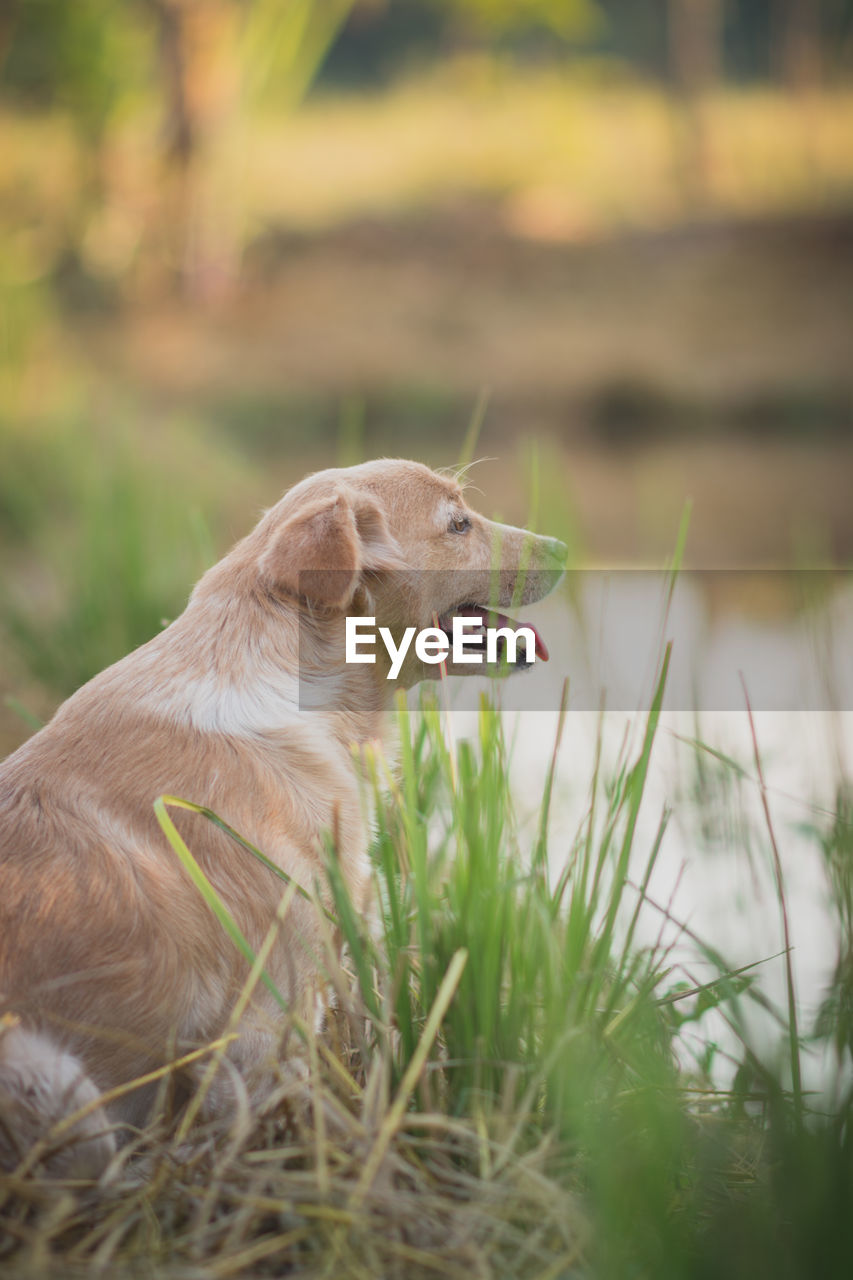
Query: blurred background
{"points": [[243, 239]]}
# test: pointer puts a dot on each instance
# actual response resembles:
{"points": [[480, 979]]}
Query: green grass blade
{"points": [[206, 889]]}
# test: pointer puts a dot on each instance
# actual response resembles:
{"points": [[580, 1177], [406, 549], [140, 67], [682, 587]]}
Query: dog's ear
{"points": [[320, 552], [379, 549]]}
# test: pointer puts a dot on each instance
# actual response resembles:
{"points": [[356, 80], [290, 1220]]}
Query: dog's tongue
{"points": [[490, 617]]}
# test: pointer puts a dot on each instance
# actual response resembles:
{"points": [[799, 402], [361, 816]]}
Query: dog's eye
{"points": [[459, 524]]}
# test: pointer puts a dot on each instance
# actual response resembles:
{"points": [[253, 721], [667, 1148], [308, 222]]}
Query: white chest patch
{"points": [[212, 705], [269, 703]]}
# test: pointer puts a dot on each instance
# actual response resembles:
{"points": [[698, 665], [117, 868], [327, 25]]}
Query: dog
{"points": [[111, 963]]}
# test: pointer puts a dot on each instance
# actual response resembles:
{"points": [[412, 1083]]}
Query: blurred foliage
{"points": [[156, 92], [125, 565], [82, 58], [165, 99], [283, 46], [384, 35], [566, 18], [104, 524], [835, 1016], [145, 150], [86, 56]]}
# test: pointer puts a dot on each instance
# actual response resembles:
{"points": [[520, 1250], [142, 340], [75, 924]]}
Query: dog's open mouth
{"points": [[475, 639]]}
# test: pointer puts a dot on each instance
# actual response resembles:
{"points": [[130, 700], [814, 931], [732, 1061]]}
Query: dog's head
{"points": [[399, 542]]}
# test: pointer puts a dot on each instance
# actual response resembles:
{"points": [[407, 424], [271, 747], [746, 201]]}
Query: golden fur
{"points": [[109, 959]]}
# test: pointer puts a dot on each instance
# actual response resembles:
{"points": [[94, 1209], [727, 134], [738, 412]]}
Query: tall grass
{"points": [[99, 541], [562, 1029], [499, 1092], [560, 1026]]}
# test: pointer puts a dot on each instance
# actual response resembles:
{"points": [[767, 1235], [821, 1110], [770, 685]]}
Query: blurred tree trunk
{"points": [[179, 127], [798, 44], [8, 13], [695, 32], [797, 54], [216, 57], [695, 29], [198, 49]]}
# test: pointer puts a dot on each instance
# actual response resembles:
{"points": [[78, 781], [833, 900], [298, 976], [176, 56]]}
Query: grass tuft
{"points": [[498, 1091]]}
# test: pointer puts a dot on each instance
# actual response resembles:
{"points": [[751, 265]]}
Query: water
{"points": [[715, 872]]}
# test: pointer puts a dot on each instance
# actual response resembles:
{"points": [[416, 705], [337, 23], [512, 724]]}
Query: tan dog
{"points": [[110, 961]]}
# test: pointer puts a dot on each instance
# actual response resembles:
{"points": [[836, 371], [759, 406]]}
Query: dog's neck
{"points": [[260, 670]]}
